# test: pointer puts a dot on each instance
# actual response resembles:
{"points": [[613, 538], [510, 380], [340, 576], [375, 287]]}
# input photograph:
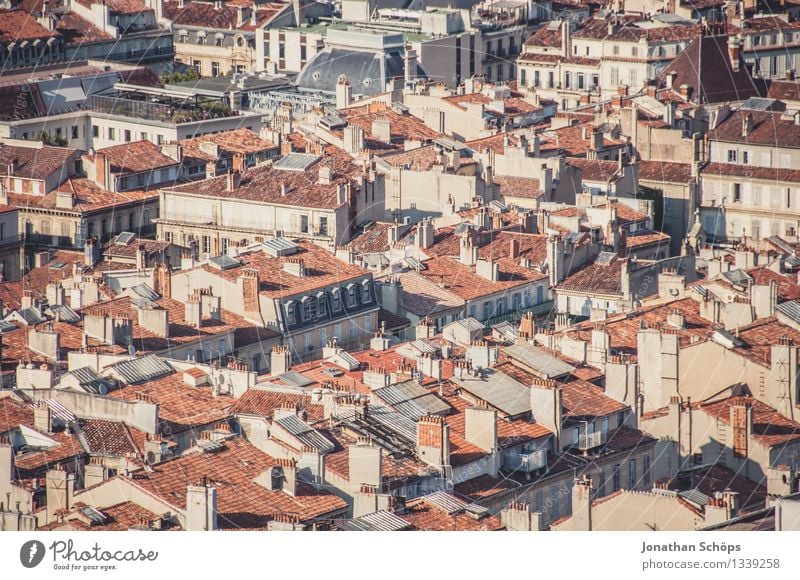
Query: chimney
{"points": [[547, 402], [433, 441], [734, 52], [488, 269], [410, 63], [527, 327], [741, 421], [382, 130], [234, 179], [162, 280], [353, 139], [670, 79], [60, 490], [65, 200], [101, 170], [201, 507], [325, 175], [295, 267], [193, 310], [555, 259], [517, 517], [156, 320], [280, 360], [425, 234], [344, 93], [91, 252], [685, 92], [481, 428], [286, 470], [365, 464], [513, 248], [249, 283], [676, 319], [468, 253], [55, 293], [789, 74], [747, 124], [582, 505], [41, 417]]}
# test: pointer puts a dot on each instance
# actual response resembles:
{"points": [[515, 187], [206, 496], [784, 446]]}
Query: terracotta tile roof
{"points": [[34, 162], [776, 23], [626, 29], [241, 503], [119, 6], [179, 331], [14, 413], [134, 157], [37, 279], [748, 172], [179, 403], [268, 184], [760, 336], [403, 127], [322, 270], [705, 66], [581, 398], [596, 169], [596, 278], [770, 428], [111, 437], [67, 448], [427, 516], [494, 143], [513, 105], [263, 403], [483, 487], [373, 240], [241, 140], [784, 90], [523, 187], [623, 329], [77, 31], [421, 159], [575, 140], [151, 247], [423, 296], [20, 101], [206, 15], [717, 478], [89, 197], [545, 37], [118, 518], [663, 171], [645, 238], [787, 288], [19, 25], [463, 282]]}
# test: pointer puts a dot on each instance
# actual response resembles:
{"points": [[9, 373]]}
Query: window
{"points": [[731, 155], [646, 470], [214, 69], [554, 507], [632, 473], [614, 72], [567, 80], [595, 81], [745, 157], [515, 301], [118, 223], [352, 329], [601, 484], [581, 81], [198, 66], [615, 481], [304, 224], [523, 77], [201, 40], [127, 135], [74, 131], [615, 49], [323, 226], [217, 41], [634, 51], [536, 78], [168, 237], [111, 134], [206, 244]]}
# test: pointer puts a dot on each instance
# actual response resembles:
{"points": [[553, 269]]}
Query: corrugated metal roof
{"points": [[395, 421], [738, 277], [694, 496], [145, 291], [84, 375], [499, 390], [296, 161], [306, 434], [224, 262], [382, 521], [30, 315], [295, 379], [446, 502], [64, 313], [141, 370], [277, 247], [790, 309], [59, 411], [422, 347], [470, 324], [539, 361], [507, 330], [412, 400]]}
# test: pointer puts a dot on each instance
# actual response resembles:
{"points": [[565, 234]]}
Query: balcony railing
{"points": [[588, 441], [526, 462]]}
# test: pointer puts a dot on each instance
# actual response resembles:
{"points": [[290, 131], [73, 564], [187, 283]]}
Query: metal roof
{"points": [[539, 361], [296, 161], [141, 370], [382, 521], [790, 309], [64, 313], [507, 330], [59, 411], [694, 496], [397, 422], [31, 315], [738, 277], [469, 324], [6, 326], [84, 375], [306, 434], [499, 390], [124, 238], [94, 515], [605, 257], [145, 291], [295, 379], [277, 247], [412, 400], [423, 347], [224, 262], [446, 502]]}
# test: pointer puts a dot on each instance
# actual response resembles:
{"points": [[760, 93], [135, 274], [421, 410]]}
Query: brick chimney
{"points": [[248, 282], [513, 248], [433, 441], [735, 52], [162, 280]]}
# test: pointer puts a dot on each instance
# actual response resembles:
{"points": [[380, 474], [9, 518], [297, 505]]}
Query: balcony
{"points": [[588, 441], [526, 462]]}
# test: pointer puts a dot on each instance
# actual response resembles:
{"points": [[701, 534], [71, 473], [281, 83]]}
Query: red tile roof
{"points": [[748, 172], [18, 25], [241, 503], [134, 157], [770, 428], [34, 162], [263, 403], [663, 171], [427, 516]]}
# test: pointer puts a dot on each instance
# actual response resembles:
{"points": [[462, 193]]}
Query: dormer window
{"points": [[291, 313], [322, 304], [351, 295], [336, 300], [309, 308], [366, 294]]}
